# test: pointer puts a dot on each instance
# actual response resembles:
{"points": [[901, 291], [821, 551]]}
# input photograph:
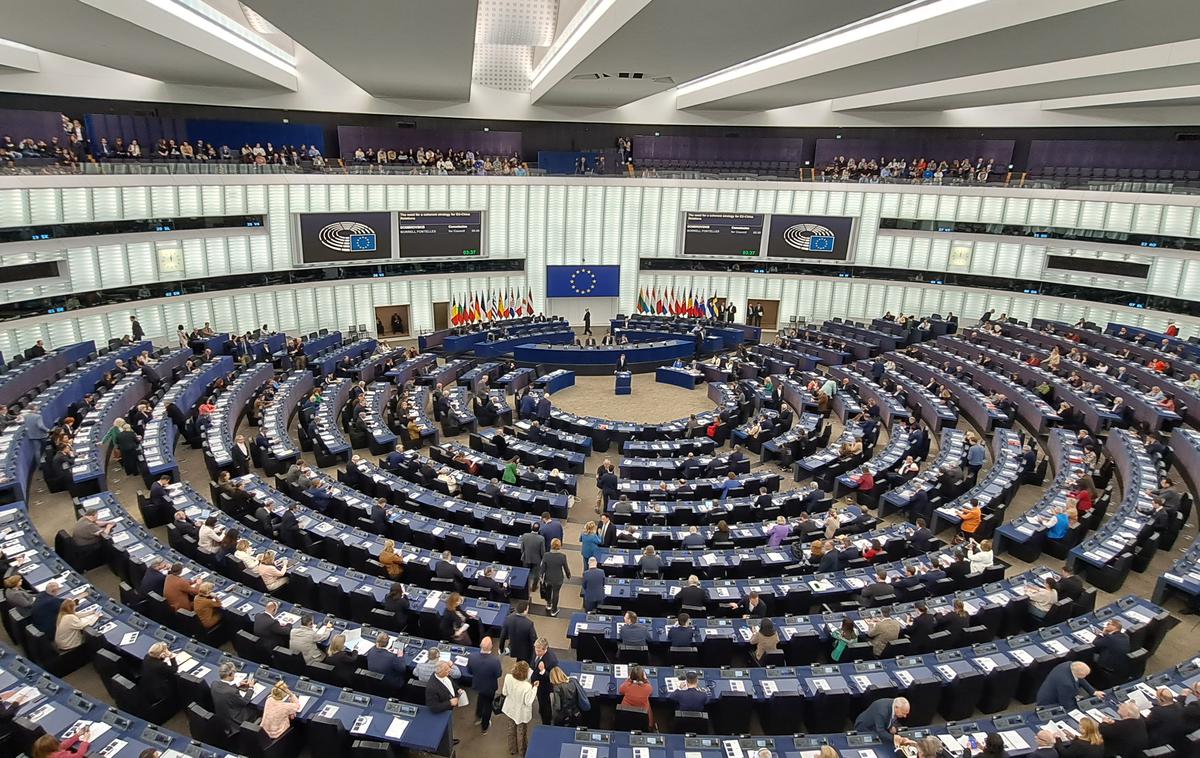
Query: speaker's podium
{"points": [[624, 383]]}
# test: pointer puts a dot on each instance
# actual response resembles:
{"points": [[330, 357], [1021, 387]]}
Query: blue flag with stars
{"points": [[583, 281]]}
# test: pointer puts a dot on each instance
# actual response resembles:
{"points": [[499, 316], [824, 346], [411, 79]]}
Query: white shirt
{"points": [[448, 684]]}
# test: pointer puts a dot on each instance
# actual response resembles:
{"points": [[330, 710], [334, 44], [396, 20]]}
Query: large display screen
{"points": [[440, 234], [726, 234], [583, 281], [345, 237], [821, 237]]}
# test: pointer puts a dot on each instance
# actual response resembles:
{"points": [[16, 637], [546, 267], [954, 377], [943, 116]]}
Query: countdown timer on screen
{"points": [[440, 234]]}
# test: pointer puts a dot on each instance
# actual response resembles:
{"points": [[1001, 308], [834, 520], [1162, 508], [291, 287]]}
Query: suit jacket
{"points": [[692, 596], [1061, 687], [958, 569], [241, 459], [1126, 738], [919, 630], [520, 635], [305, 640], [555, 570], [635, 634], [681, 636], [447, 570], [485, 673], [390, 665], [231, 706], [289, 529], [438, 696], [1070, 587], [921, 538], [533, 548], [157, 682], [1165, 724], [44, 613], [1112, 651], [608, 535], [152, 581], [876, 590], [593, 588], [270, 631], [551, 531], [877, 719]]}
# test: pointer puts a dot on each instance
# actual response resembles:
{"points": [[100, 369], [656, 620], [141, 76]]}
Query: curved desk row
{"points": [[642, 356]]}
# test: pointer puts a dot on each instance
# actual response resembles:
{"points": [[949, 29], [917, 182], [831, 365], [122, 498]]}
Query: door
{"points": [[392, 321], [441, 316], [770, 317]]}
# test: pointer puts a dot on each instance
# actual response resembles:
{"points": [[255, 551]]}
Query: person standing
{"points": [[587, 321], [485, 671], [544, 661], [555, 572], [519, 695], [135, 328]]}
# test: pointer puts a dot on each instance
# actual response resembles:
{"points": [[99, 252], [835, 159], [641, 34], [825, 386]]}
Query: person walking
{"points": [[555, 572], [519, 696]]}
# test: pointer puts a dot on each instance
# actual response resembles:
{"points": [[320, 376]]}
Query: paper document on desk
{"points": [[1013, 741], [361, 724], [396, 729]]}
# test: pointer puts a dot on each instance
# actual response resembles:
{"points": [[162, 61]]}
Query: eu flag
{"points": [[583, 281]]}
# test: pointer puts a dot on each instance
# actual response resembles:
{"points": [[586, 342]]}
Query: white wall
{"points": [[548, 221]]}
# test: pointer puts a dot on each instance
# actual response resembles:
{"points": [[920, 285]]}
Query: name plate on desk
{"points": [[588, 736]]}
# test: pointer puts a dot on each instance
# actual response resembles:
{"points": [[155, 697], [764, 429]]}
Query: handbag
{"points": [[498, 703]]}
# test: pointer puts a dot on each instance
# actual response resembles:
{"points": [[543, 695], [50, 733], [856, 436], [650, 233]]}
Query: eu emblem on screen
{"points": [[583, 281], [362, 243]]}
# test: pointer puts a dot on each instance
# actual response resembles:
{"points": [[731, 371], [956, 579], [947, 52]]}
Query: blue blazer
{"points": [[1061, 687], [390, 665], [593, 588]]}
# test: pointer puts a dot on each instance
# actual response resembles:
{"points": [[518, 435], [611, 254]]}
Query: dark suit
{"points": [[692, 596], [1126, 738], [289, 530], [270, 631], [635, 634], [43, 614], [437, 696], [1112, 654], [1061, 687], [920, 539], [872, 592], [152, 581], [379, 519], [520, 635], [1070, 587], [231, 706], [878, 719], [593, 588], [157, 682], [344, 663], [1165, 724], [608, 535], [447, 570], [241, 460], [681, 636], [390, 665], [923, 625]]}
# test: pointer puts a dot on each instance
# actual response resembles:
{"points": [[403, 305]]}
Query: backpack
{"points": [[567, 702]]}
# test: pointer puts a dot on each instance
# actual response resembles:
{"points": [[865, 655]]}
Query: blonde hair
{"points": [[1089, 731], [157, 649], [280, 691], [337, 643], [589, 527], [558, 676]]}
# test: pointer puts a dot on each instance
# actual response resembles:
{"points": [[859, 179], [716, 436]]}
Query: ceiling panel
{"points": [[413, 49], [673, 41]]}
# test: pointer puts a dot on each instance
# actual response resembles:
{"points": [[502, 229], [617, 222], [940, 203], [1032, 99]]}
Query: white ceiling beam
{"points": [[897, 33], [18, 57], [1106, 64], [191, 29], [595, 22], [1186, 95]]}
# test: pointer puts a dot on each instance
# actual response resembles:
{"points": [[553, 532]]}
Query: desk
{"points": [[320, 527], [62, 706], [480, 376], [604, 432], [515, 380], [327, 363], [713, 466], [530, 453], [370, 368], [899, 445], [88, 475], [446, 375], [555, 335], [796, 442], [709, 487], [277, 416], [215, 343], [407, 371], [624, 383], [918, 677], [952, 452], [26, 376], [329, 441], [379, 400], [890, 408], [1104, 558], [669, 448], [452, 481], [641, 356], [829, 460], [162, 369], [556, 380], [551, 437], [427, 731], [680, 377], [489, 467], [935, 412], [458, 418], [412, 408], [158, 440], [18, 454], [1025, 535], [485, 522], [437, 339], [231, 404]]}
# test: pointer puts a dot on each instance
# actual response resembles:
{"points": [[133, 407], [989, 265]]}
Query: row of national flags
{"points": [[490, 306], [667, 301]]}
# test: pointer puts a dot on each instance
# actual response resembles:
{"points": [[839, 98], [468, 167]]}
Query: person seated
{"points": [[632, 632], [764, 640]]}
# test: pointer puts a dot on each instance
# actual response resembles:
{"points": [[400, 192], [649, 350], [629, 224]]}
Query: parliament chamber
{"points": [[672, 380]]}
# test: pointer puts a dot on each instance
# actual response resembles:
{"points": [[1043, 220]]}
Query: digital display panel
{"points": [[820, 237], [345, 237], [736, 235], [440, 234]]}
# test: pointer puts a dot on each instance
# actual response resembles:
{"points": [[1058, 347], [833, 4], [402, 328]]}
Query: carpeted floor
{"points": [[650, 402]]}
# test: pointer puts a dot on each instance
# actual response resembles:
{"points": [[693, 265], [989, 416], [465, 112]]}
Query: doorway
{"points": [[392, 321], [770, 308], [441, 316]]}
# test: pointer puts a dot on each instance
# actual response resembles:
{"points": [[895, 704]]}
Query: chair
{"points": [[960, 696], [731, 712], [629, 719], [691, 722], [204, 728], [326, 736]]}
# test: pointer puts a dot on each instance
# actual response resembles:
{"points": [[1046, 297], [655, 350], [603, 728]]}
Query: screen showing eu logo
{"points": [[362, 243], [583, 281]]}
